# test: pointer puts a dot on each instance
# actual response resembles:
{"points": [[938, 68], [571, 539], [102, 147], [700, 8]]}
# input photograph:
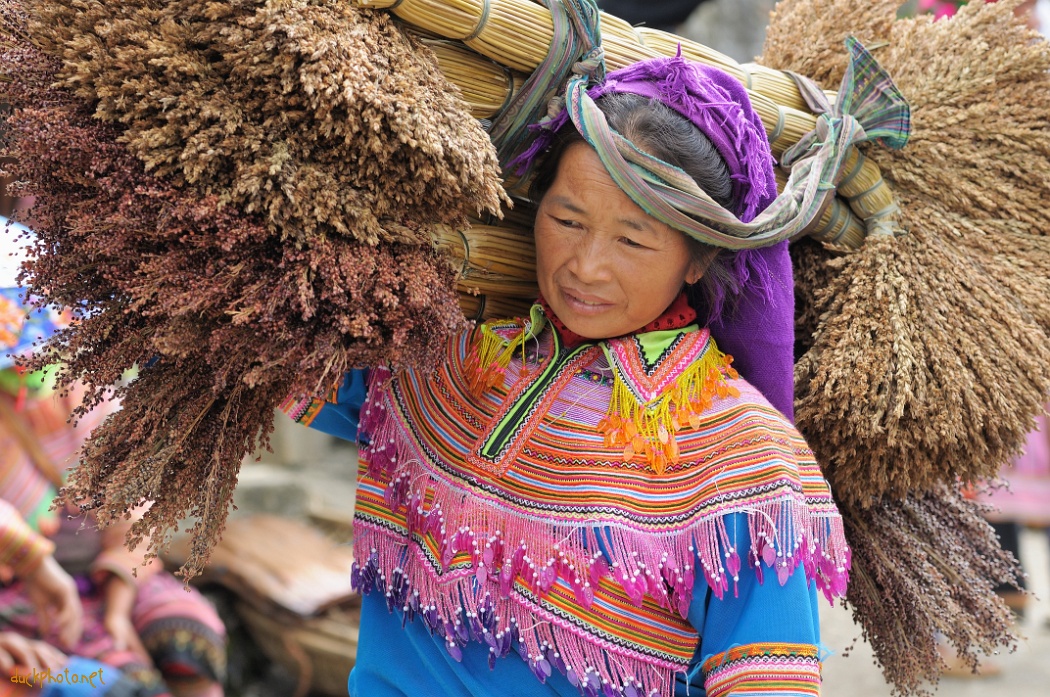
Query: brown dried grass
{"points": [[930, 356], [241, 308], [321, 117], [924, 567], [806, 36]]}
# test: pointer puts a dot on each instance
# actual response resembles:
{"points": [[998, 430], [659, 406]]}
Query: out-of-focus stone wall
{"points": [[305, 473], [737, 28]]}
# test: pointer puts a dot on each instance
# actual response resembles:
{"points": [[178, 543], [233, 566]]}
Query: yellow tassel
{"points": [[648, 431], [490, 355]]}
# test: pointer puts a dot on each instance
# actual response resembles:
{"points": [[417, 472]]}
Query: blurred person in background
{"points": [[667, 15], [136, 617]]}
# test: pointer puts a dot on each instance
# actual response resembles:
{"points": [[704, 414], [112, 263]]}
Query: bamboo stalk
{"points": [[485, 307], [667, 45], [774, 84], [486, 86], [863, 186], [518, 34], [838, 227]]}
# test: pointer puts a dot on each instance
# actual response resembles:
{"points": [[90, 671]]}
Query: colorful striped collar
{"points": [[663, 380]]}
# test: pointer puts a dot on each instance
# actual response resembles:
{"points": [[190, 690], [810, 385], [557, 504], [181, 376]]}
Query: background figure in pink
{"points": [[136, 618], [1025, 501], [1032, 10]]}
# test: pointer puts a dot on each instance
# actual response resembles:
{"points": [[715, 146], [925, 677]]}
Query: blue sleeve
{"points": [[339, 413], [760, 633]]}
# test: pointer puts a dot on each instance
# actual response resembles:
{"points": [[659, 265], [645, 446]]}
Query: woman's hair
{"points": [[664, 133]]}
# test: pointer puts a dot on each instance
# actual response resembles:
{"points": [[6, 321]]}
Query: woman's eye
{"points": [[631, 243], [565, 222]]}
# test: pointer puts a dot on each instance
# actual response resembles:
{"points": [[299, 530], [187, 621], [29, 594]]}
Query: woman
{"points": [[30, 667], [1024, 501], [590, 500], [137, 618]]}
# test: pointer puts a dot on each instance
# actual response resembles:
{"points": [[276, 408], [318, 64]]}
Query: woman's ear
{"points": [[699, 265], [694, 273]]}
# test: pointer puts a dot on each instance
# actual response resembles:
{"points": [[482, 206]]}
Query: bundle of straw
{"points": [[252, 97], [931, 356], [924, 356], [774, 94], [485, 85], [497, 260]]}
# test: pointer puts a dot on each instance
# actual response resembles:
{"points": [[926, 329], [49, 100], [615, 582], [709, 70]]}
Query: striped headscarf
{"points": [[869, 107], [713, 101]]}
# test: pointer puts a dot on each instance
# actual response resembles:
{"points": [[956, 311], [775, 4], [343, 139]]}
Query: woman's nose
{"points": [[590, 259]]}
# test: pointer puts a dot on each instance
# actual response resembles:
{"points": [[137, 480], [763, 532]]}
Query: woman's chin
{"points": [[594, 325]]}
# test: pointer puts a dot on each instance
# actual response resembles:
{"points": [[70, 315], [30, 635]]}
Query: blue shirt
{"points": [[396, 658]]}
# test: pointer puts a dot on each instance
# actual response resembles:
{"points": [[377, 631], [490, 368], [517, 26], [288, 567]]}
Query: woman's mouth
{"points": [[584, 304]]}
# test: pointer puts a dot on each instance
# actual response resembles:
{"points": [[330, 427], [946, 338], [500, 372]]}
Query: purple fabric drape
{"points": [[760, 332]]}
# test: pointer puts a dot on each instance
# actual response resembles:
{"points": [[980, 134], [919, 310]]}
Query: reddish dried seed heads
{"points": [[250, 273]]}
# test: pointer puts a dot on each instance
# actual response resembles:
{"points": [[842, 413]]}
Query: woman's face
{"points": [[605, 267]]}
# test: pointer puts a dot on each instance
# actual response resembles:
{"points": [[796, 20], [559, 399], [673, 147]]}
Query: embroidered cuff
{"points": [[784, 670], [302, 411]]}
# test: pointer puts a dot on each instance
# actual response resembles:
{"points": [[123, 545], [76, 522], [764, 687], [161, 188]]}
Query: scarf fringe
{"points": [[491, 353], [490, 564], [645, 426]]}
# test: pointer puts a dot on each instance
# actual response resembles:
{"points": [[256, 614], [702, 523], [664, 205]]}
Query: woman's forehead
{"points": [[584, 187], [634, 219]]}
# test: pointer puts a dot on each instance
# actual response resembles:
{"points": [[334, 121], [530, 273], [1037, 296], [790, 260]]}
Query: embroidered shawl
{"points": [[562, 499]]}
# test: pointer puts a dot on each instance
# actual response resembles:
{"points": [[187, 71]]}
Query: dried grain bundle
{"points": [[318, 116], [809, 260], [930, 355], [925, 566], [237, 317], [806, 36], [916, 372]]}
